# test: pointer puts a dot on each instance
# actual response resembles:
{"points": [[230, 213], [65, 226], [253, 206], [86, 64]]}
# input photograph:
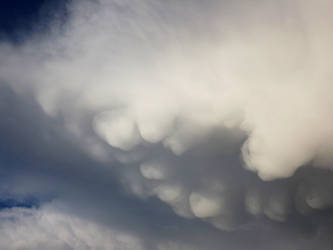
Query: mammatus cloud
{"points": [[149, 77], [183, 95]]}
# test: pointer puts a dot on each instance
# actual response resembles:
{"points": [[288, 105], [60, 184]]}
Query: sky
{"points": [[166, 125]]}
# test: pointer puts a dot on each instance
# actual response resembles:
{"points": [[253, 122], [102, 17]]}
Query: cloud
{"points": [[152, 78], [131, 105], [52, 229]]}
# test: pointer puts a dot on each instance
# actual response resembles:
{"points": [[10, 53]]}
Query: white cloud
{"points": [[49, 228], [172, 83]]}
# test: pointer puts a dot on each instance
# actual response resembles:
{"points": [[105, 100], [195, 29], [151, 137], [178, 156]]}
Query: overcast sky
{"points": [[166, 125]]}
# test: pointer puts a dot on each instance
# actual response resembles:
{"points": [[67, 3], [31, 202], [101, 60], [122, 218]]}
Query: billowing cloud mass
{"points": [[171, 73], [216, 115]]}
